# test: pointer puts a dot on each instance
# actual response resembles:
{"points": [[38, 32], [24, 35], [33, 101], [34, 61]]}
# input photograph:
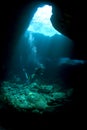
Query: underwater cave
{"points": [[42, 75]]}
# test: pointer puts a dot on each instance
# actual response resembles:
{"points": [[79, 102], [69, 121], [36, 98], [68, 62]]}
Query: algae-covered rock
{"points": [[35, 97], [58, 95]]}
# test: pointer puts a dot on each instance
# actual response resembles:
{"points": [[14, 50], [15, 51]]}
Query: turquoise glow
{"points": [[41, 23]]}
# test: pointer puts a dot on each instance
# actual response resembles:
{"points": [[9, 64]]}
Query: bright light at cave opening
{"points": [[41, 23]]}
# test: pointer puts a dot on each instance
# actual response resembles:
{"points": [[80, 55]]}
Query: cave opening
{"points": [[41, 22]]}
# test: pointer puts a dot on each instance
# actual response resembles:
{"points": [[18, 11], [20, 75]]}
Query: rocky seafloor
{"points": [[35, 97]]}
